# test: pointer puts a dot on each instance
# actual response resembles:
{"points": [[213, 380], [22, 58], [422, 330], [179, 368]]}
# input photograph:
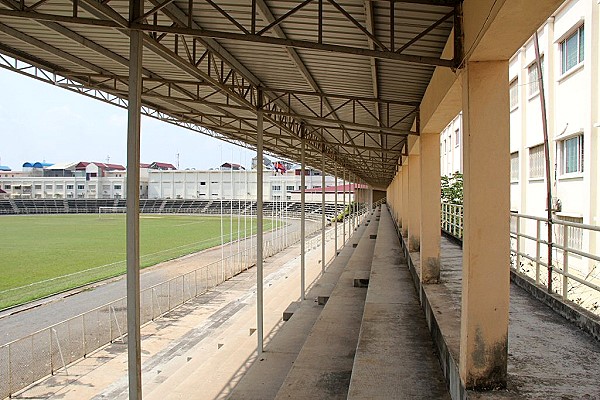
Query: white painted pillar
{"points": [[486, 245], [323, 212], [302, 218], [344, 203], [134, 346], [336, 210], [259, 230]]}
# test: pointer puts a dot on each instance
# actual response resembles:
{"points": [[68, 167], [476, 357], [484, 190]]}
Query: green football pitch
{"points": [[45, 254]]}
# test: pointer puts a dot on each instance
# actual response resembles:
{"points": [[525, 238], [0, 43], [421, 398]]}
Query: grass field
{"points": [[41, 255]]}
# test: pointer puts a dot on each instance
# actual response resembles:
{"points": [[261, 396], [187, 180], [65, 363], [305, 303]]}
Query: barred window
{"points": [[575, 234], [536, 162], [514, 166], [514, 93], [533, 78]]}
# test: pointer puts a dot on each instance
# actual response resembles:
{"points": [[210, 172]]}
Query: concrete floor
{"points": [[549, 358]]}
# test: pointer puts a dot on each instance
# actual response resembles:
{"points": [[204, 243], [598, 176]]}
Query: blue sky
{"points": [[41, 122]]}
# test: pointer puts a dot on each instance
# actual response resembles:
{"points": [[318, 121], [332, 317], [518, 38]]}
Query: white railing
{"points": [[575, 270], [50, 350], [452, 219]]}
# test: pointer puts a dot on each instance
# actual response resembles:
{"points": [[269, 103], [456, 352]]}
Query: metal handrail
{"points": [[570, 264]]}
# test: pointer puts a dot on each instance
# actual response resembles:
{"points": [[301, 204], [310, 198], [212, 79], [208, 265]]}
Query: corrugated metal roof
{"points": [[341, 78]]}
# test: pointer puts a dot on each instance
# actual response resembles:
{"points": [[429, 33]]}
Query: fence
{"points": [[50, 350], [575, 270], [452, 219], [574, 273]]}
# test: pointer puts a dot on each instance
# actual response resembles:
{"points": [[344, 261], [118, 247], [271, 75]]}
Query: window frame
{"points": [[579, 34], [513, 85], [542, 176], [580, 147], [534, 83], [512, 170]]}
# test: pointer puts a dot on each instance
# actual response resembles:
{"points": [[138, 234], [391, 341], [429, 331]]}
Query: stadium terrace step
{"points": [[290, 310], [324, 364], [361, 279], [395, 351], [264, 378]]}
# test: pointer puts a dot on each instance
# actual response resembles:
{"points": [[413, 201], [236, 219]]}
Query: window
{"points": [[457, 137], [202, 183], [69, 187], [534, 79], [514, 93], [536, 162], [571, 50], [6, 186], [38, 187], [571, 152], [289, 187], [59, 186], [276, 187], [514, 166], [575, 234], [48, 187], [117, 187], [80, 187]]}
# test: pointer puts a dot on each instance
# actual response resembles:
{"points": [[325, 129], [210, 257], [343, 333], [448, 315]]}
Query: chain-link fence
{"points": [[31, 358]]}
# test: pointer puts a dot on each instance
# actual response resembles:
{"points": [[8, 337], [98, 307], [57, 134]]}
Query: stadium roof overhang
{"points": [[348, 76]]}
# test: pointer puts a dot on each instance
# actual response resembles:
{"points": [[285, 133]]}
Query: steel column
{"points": [[344, 202], [259, 230], [336, 209], [323, 212], [134, 346], [302, 216]]}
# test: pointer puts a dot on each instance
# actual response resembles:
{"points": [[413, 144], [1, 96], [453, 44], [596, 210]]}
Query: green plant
{"points": [[452, 188]]}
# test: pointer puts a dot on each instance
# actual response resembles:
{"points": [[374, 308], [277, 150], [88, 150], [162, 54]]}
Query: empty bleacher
{"points": [[364, 342], [168, 206]]}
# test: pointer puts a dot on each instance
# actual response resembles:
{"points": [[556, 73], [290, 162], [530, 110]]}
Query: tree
{"points": [[452, 188]]}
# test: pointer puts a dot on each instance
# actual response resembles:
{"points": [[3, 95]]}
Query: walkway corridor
{"points": [[548, 357]]}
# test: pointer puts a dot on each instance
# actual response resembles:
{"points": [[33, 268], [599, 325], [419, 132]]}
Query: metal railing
{"points": [[452, 219], [51, 350], [575, 270]]}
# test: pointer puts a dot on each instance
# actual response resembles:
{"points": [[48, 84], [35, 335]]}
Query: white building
{"points": [[78, 180], [570, 60], [229, 184]]}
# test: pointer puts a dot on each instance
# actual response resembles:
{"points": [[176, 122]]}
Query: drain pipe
{"points": [[546, 156]]}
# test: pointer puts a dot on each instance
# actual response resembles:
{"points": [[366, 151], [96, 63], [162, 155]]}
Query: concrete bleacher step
{"points": [[324, 364], [395, 356], [290, 310], [264, 379]]}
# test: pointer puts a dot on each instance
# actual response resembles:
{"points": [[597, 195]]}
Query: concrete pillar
{"points": [[414, 200], [405, 210], [430, 207], [486, 250]]}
